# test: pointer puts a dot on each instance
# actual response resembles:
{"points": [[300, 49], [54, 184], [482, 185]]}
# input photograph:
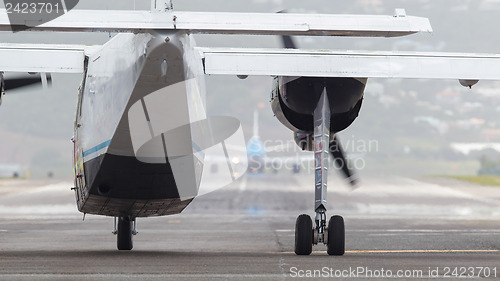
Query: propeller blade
{"points": [[15, 83], [340, 160], [287, 41], [46, 79]]}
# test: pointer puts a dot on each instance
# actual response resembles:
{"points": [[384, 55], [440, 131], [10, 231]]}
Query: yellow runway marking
{"points": [[481, 233], [400, 251], [407, 234], [421, 251]]}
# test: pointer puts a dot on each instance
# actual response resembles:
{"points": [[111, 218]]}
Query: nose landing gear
{"points": [[124, 232]]}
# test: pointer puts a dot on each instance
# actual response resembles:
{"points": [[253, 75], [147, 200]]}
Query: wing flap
{"points": [[286, 62], [42, 58]]}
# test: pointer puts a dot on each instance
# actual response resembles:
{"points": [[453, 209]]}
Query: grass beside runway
{"points": [[486, 180]]}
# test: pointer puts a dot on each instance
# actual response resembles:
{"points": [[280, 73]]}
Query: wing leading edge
{"points": [[230, 23]]}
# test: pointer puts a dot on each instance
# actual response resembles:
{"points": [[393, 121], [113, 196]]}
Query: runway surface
{"points": [[408, 228]]}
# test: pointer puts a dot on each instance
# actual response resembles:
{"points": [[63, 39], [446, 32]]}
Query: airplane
{"points": [[257, 157], [141, 128], [256, 150], [259, 161], [11, 171]]}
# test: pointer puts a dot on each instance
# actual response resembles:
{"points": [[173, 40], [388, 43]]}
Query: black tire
{"points": [[124, 237], [303, 235], [336, 236]]}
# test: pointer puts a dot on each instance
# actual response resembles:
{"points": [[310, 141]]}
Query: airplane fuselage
{"points": [[133, 71]]}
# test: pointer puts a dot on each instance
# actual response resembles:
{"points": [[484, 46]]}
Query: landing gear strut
{"points": [[125, 231], [305, 234]]}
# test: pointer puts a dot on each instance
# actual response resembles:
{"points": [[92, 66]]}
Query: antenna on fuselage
{"points": [[162, 5]]}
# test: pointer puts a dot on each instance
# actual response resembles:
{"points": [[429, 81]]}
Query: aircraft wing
{"points": [[278, 62], [326, 63], [229, 23], [42, 58]]}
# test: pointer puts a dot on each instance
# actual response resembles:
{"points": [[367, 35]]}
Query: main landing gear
{"points": [[334, 235], [124, 232]]}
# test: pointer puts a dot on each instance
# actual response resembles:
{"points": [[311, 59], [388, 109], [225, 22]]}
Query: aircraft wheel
{"points": [[303, 235], [124, 235], [336, 236]]}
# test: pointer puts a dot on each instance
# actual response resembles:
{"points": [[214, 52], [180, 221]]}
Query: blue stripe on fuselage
{"points": [[96, 148]]}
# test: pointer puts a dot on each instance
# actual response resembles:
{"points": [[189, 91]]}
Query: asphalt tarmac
{"points": [[396, 228]]}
